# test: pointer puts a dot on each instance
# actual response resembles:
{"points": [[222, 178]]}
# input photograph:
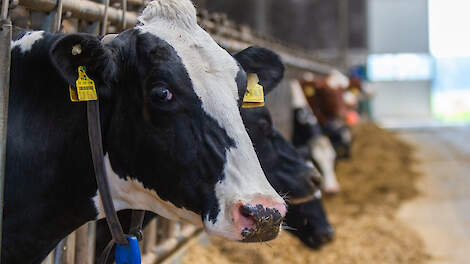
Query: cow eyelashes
{"points": [[161, 93]]}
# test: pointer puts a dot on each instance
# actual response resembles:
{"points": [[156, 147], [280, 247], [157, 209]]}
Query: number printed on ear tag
{"points": [[254, 95], [86, 90]]}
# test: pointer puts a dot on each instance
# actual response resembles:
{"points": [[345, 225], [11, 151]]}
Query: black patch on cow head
{"points": [[306, 127], [339, 134], [308, 221], [285, 169]]}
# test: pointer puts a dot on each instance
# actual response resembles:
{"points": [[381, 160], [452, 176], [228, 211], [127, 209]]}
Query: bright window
{"points": [[399, 67]]}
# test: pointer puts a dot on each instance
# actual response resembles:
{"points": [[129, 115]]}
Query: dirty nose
{"points": [[258, 222]]}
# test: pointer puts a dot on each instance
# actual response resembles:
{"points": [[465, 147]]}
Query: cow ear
{"points": [[74, 50], [265, 63]]}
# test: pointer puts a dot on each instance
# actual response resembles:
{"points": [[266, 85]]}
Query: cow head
{"points": [[287, 171], [172, 127]]}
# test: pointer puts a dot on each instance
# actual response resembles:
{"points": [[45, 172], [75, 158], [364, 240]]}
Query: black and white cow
{"points": [[310, 140], [287, 171], [172, 130], [291, 175]]}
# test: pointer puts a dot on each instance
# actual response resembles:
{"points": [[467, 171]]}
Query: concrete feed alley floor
{"points": [[441, 213]]}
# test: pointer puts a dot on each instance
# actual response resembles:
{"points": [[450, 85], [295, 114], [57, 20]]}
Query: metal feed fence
{"points": [[162, 237]]}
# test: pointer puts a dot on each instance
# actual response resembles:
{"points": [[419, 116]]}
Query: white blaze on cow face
{"points": [[213, 72], [337, 80], [27, 41], [325, 155]]}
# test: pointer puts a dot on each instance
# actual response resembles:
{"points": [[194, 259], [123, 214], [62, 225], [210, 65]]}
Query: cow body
{"points": [[162, 91]]}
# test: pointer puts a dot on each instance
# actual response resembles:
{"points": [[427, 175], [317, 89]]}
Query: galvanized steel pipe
{"points": [[83, 9], [5, 44]]}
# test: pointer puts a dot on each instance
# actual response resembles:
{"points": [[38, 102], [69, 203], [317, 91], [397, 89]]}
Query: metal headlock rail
{"points": [[5, 43], [162, 238]]}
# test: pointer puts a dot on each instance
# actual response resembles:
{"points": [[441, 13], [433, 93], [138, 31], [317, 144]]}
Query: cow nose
{"points": [[258, 222], [327, 234]]}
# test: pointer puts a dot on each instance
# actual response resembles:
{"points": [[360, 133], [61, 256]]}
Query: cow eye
{"points": [[161, 94]]}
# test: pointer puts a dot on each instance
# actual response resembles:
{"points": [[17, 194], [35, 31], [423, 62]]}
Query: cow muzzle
{"points": [[259, 220]]}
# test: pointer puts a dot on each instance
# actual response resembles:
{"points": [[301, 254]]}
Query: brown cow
{"points": [[325, 96]]}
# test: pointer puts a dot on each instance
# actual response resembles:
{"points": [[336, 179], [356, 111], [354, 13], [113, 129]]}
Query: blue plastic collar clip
{"points": [[128, 254]]}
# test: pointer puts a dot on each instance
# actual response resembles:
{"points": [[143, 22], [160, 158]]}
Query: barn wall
{"points": [[279, 103], [318, 17], [398, 26], [404, 99]]}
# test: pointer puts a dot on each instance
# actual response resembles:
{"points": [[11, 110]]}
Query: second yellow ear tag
{"points": [[309, 91], [254, 95], [86, 90]]}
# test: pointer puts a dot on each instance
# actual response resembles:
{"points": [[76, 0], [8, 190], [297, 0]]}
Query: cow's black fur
{"points": [[173, 147], [339, 134], [288, 173]]}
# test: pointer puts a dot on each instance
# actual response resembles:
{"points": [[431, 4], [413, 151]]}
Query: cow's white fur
{"points": [[324, 154], [350, 98], [298, 97], [27, 41], [337, 80], [212, 71], [318, 194], [131, 194]]}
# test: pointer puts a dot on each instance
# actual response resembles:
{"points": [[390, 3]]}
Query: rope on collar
{"points": [[308, 198]]}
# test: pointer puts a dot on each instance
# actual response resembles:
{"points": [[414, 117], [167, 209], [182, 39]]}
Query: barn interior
{"points": [[395, 74]]}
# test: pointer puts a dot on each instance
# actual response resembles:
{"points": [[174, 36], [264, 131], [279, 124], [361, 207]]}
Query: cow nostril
{"points": [[246, 211]]}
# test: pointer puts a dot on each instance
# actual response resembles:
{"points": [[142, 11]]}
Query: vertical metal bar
{"points": [[81, 242], [124, 11], [5, 44], [49, 259], [4, 12], [343, 31], [104, 22], [58, 16], [261, 13], [173, 229], [59, 251], [68, 255], [91, 241], [150, 236]]}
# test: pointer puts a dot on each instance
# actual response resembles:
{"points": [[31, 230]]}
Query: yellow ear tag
{"points": [[309, 91], [254, 95], [86, 90], [73, 94], [355, 90]]}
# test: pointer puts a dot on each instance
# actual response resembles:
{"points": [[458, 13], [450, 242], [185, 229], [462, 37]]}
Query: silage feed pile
{"points": [[375, 181]]}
